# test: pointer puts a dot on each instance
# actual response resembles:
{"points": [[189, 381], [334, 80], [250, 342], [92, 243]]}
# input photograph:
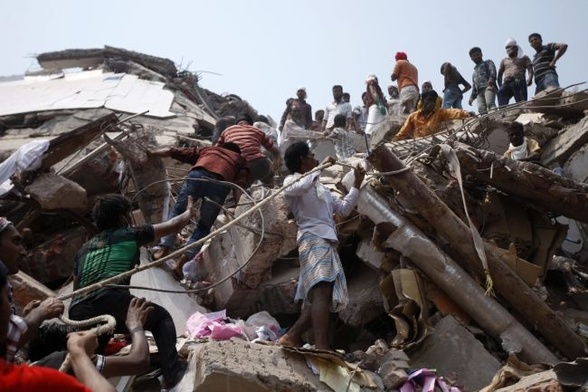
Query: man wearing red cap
{"points": [[407, 76]]}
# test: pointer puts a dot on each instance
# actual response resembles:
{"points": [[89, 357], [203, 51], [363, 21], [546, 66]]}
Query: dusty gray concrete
{"points": [[365, 299], [452, 348], [237, 365], [557, 151], [54, 192]]}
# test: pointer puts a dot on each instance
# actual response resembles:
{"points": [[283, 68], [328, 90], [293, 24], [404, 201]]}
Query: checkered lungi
{"points": [[319, 262]]}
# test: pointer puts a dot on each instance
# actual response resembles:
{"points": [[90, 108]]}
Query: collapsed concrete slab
{"points": [[559, 149]]}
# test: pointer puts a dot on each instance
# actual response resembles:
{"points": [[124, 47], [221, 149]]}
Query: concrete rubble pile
{"points": [[457, 258]]}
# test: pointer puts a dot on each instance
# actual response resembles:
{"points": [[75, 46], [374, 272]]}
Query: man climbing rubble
{"points": [[212, 166], [322, 283], [250, 140]]}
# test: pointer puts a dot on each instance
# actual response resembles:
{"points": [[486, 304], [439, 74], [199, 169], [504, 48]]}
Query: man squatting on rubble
{"points": [[115, 250], [321, 283], [212, 165]]}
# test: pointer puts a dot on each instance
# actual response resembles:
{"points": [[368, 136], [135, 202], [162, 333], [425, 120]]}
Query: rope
{"points": [[128, 274], [189, 291], [107, 327]]}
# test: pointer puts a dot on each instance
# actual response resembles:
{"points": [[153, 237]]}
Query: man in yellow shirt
{"points": [[425, 122]]}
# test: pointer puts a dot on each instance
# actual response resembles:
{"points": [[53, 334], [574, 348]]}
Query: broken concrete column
{"points": [[54, 192], [458, 234], [452, 279]]}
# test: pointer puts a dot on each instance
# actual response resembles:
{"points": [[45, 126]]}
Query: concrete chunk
{"points": [[54, 192], [557, 151], [237, 365], [452, 348]]}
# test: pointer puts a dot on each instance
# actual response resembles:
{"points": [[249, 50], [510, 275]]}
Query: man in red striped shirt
{"points": [[212, 166], [250, 140]]}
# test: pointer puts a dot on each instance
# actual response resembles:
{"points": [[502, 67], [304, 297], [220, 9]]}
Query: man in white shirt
{"points": [[322, 283], [338, 106]]}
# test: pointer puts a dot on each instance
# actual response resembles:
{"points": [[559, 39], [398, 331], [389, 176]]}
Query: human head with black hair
{"points": [[516, 133], [298, 158], [535, 40], [475, 49], [346, 97], [11, 246], [231, 146], [535, 35], [429, 98], [112, 211], [262, 118], [245, 117], [476, 55], [339, 121], [337, 93]]}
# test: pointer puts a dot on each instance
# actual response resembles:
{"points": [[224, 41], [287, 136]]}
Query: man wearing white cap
{"points": [[513, 69], [305, 108]]}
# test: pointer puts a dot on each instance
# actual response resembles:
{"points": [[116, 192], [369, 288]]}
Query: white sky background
{"points": [[265, 49]]}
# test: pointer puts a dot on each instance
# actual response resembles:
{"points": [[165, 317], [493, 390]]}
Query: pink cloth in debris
{"points": [[211, 325], [424, 380]]}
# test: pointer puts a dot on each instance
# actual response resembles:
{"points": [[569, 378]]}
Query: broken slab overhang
{"points": [[84, 90], [84, 58]]}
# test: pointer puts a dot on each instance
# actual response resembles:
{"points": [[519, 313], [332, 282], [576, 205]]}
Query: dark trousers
{"points": [[193, 186], [115, 302], [516, 88]]}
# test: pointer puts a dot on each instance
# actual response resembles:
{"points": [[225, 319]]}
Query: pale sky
{"points": [[264, 49]]}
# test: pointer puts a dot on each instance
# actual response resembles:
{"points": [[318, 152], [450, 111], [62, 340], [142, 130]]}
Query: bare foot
{"points": [[161, 253], [289, 341]]}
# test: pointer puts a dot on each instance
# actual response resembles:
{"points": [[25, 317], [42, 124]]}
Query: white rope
{"points": [[107, 327]]}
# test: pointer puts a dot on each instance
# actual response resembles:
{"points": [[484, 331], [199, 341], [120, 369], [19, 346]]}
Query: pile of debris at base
{"points": [[457, 259]]}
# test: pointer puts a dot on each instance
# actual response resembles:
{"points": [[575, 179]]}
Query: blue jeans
{"points": [[195, 185], [550, 79], [486, 100], [516, 88], [452, 97]]}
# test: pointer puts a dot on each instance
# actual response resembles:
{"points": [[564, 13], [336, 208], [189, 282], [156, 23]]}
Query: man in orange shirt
{"points": [[408, 82], [425, 122]]}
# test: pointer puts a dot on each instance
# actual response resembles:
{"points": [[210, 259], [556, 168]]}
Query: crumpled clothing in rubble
{"points": [[425, 380], [216, 326]]}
